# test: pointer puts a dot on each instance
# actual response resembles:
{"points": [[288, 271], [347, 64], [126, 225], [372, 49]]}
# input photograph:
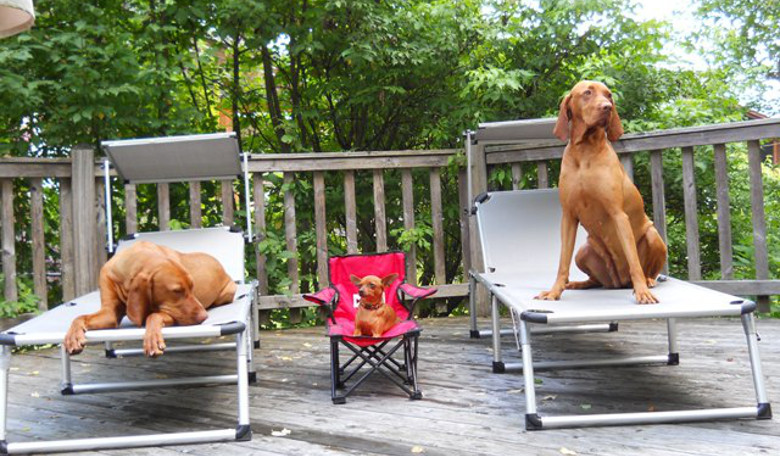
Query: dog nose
{"points": [[605, 107], [202, 316]]}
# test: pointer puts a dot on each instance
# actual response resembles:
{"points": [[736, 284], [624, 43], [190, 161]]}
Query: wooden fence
{"points": [[82, 208]]}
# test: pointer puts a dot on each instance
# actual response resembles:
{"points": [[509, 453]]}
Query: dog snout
{"points": [[605, 107]]}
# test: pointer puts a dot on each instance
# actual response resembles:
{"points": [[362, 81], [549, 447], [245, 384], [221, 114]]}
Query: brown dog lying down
{"points": [[623, 247], [155, 287], [374, 317]]}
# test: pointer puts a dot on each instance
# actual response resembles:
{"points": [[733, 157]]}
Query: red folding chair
{"points": [[376, 352]]}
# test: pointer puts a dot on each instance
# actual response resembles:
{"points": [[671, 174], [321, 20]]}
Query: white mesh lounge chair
{"points": [[156, 160], [519, 235]]}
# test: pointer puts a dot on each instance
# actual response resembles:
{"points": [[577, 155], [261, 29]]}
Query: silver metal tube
{"points": [[748, 323], [109, 221], [146, 384], [496, 329], [116, 335], [5, 366], [247, 199], [128, 352], [178, 438], [575, 364], [489, 332], [65, 361], [469, 191], [473, 302], [598, 327], [243, 381], [528, 368], [671, 329], [647, 417]]}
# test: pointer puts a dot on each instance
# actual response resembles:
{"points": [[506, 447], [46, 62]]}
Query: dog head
{"points": [[588, 107], [371, 288], [167, 288]]}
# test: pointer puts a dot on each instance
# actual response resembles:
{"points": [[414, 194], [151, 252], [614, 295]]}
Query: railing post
{"points": [[759, 220], [84, 217], [478, 185], [9, 239]]}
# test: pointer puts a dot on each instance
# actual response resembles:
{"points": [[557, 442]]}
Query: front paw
{"points": [[75, 339], [552, 295], [154, 344], [644, 296]]}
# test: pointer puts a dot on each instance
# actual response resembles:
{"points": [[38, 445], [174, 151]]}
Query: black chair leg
{"points": [[335, 377]]}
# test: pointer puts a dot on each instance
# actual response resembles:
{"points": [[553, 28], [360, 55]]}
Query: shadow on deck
{"points": [[466, 409]]}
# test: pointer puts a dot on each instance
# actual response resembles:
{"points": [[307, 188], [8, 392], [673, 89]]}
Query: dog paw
{"points": [[645, 297], [551, 295], [75, 340], [154, 344], [651, 283]]}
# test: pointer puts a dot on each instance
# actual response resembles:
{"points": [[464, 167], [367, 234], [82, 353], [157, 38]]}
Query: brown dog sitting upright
{"points": [[623, 247], [374, 317], [155, 287]]}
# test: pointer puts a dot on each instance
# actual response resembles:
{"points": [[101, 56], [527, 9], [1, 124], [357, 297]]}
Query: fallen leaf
{"points": [[282, 433], [538, 381], [418, 449], [307, 345], [651, 408], [516, 391], [34, 373], [551, 397], [585, 406], [567, 451], [35, 394], [285, 358]]}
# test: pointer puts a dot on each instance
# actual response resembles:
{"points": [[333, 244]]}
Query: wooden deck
{"points": [[466, 409]]}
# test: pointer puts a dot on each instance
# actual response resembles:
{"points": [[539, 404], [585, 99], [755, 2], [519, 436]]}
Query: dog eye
{"points": [[588, 92], [609, 95]]}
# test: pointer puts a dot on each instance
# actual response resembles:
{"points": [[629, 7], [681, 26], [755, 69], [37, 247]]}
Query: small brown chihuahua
{"points": [[374, 317]]}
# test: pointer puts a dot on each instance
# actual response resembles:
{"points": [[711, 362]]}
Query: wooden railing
{"points": [[80, 252]]}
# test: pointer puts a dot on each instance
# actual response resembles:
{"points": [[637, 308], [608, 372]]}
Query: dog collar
{"points": [[372, 306]]}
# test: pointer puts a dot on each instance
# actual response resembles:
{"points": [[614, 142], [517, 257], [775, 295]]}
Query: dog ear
{"points": [[388, 280], [139, 298], [355, 279], [561, 129], [614, 127]]}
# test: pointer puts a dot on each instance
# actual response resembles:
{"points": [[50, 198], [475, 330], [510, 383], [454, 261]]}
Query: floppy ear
{"points": [[388, 280], [139, 298], [355, 279], [561, 129], [614, 127]]}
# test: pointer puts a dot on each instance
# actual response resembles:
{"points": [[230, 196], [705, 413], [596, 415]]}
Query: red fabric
{"points": [[346, 327], [379, 265], [417, 292], [321, 297]]}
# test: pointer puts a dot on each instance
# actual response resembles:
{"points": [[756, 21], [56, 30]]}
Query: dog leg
{"points": [[652, 254], [569, 225], [75, 338], [638, 278], [154, 344]]}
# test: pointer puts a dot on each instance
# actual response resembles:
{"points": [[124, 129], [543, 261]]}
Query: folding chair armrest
{"points": [[416, 293], [327, 298]]}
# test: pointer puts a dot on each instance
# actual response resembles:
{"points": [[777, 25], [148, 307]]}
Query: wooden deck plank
{"points": [[466, 409]]}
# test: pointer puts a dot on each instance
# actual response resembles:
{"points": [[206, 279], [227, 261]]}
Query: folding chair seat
{"points": [[340, 300]]}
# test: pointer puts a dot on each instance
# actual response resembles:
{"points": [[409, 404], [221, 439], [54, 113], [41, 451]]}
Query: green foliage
{"points": [[27, 302]]}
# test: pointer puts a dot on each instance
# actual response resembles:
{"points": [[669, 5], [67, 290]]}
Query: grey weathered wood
{"points": [[101, 241], [463, 215], [66, 240], [260, 225], [628, 165], [196, 213], [13, 167], [163, 206], [724, 215], [38, 244], [350, 211], [84, 216], [228, 207], [478, 185], [743, 287], [639, 142], [517, 176], [541, 173], [131, 209], [380, 219], [659, 200], [691, 217], [321, 228], [407, 195], [290, 237], [339, 161], [759, 222], [9, 240], [465, 412], [437, 223]]}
